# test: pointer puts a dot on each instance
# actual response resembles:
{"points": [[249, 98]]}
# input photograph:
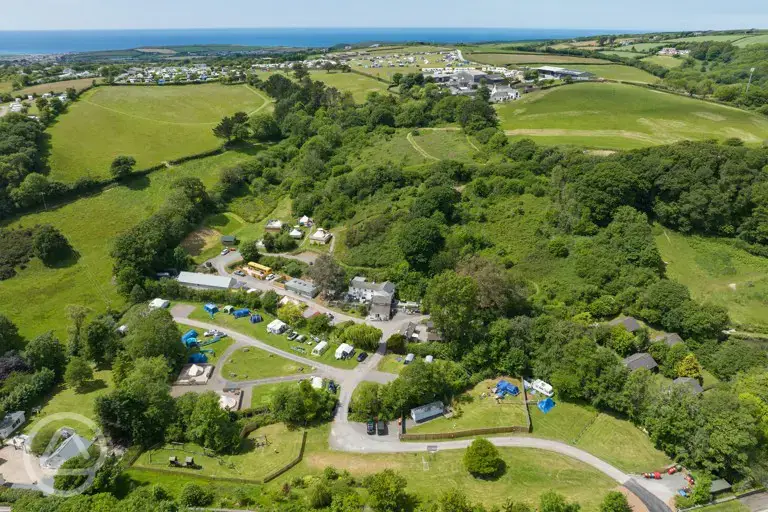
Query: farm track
{"points": [[419, 149]]}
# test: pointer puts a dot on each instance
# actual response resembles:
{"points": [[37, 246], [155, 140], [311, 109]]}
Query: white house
{"points": [[379, 295], [277, 326], [344, 351], [320, 348]]}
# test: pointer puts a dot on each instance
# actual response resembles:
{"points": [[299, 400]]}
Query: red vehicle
{"points": [[657, 475]]}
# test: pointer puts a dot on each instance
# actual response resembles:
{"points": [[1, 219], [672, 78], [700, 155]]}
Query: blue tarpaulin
{"points": [[198, 358], [546, 405], [211, 308], [240, 313], [190, 334], [256, 318]]}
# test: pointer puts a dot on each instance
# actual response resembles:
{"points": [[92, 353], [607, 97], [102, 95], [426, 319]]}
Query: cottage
{"points": [[11, 422], [206, 281], [302, 288], [629, 323], [277, 327], [71, 447], [320, 236], [344, 351], [670, 338], [274, 226], [320, 348], [691, 383], [640, 360], [420, 333], [379, 295], [427, 412]]}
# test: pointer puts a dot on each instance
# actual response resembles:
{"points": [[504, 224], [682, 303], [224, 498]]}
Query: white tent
{"points": [[195, 370], [344, 350], [320, 348], [276, 326], [317, 382], [159, 303]]}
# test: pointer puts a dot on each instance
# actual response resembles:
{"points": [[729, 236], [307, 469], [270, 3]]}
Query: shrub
{"points": [[482, 459], [192, 495]]}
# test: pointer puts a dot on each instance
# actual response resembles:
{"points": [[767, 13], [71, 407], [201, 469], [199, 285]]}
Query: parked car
{"points": [[381, 428], [293, 335], [225, 251], [362, 357], [370, 427], [240, 273], [331, 386], [270, 277]]}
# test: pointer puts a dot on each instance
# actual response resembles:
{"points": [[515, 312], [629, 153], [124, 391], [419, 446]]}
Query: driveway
{"points": [[756, 502]]}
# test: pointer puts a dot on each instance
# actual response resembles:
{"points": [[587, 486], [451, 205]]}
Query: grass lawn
{"points": [[250, 363], [503, 59], [251, 462], [618, 72], [387, 72], [394, 148], [360, 86], [259, 331], [205, 242], [262, 395], [623, 53], [474, 411], [390, 364], [56, 87], [445, 145], [719, 273], [665, 60], [152, 124], [761, 39], [728, 506], [65, 400], [619, 116], [36, 298]]}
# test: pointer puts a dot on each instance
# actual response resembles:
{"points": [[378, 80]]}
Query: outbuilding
{"points": [[691, 383], [302, 288], [206, 281], [640, 360], [11, 422], [228, 240], [427, 412], [344, 351]]}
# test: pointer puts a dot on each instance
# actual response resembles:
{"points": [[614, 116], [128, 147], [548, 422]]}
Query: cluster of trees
{"points": [[21, 141], [18, 246]]}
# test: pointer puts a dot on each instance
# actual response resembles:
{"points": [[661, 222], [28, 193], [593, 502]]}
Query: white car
{"points": [[224, 251]]}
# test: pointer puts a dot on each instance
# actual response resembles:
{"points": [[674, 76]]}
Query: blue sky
{"points": [[598, 14]]}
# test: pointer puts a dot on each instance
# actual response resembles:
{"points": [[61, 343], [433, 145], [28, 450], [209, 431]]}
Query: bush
{"points": [[482, 459], [320, 495], [192, 495], [50, 245]]}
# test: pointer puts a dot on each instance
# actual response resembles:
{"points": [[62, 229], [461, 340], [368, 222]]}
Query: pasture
{"points": [[504, 59], [665, 60], [623, 53], [717, 272], [618, 116], [57, 87], [618, 72], [716, 38], [151, 123], [36, 298], [387, 72], [761, 39], [443, 145], [360, 86]]}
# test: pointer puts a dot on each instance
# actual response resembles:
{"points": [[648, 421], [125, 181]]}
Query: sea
{"points": [[66, 41]]}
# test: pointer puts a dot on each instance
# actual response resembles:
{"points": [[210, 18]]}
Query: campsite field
{"points": [[503, 59], [218, 348], [262, 395], [667, 61], [360, 86], [618, 72], [250, 363], [387, 72], [472, 410], [719, 273], [152, 124], [259, 331], [91, 223], [618, 116]]}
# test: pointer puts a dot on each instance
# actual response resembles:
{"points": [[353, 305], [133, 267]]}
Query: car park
{"points": [[370, 427], [362, 356]]}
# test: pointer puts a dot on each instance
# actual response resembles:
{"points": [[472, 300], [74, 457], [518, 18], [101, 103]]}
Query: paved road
{"points": [[756, 502]]}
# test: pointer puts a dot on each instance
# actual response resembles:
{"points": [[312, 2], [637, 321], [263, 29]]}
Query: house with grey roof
{"points": [[427, 412], [640, 360], [69, 448], [301, 287], [629, 323], [691, 383], [670, 338], [380, 296]]}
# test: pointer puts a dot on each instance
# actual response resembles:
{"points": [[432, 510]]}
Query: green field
{"points": [[259, 331], [387, 72], [472, 410], [623, 53], [262, 395], [152, 124], [761, 39], [90, 224], [249, 363], [393, 147], [390, 364], [618, 72], [252, 463], [719, 273], [56, 87], [617, 116], [716, 38], [360, 86], [645, 47], [667, 61], [444, 145], [503, 59]]}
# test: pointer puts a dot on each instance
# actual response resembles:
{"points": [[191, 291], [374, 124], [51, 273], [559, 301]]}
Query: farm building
{"points": [[320, 348], [228, 240], [302, 288], [719, 486], [427, 412], [159, 303], [690, 383], [205, 281], [320, 237], [670, 338], [69, 448], [344, 351], [10, 423], [556, 73], [276, 326], [640, 360], [629, 323]]}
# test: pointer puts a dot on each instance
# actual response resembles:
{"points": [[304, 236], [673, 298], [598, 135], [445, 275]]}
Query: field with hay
{"points": [[617, 116], [152, 124]]}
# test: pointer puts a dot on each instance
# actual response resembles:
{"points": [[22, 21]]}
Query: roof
{"points": [[629, 323], [71, 447], [344, 348], [361, 282], [640, 360], [719, 485], [276, 324], [562, 71], [692, 383], [300, 285], [670, 338], [427, 411], [198, 279]]}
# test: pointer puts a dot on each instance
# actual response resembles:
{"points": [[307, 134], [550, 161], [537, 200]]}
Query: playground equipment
{"points": [[240, 313]]}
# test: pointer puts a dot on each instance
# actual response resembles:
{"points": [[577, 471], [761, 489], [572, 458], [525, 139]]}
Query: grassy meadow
{"points": [[36, 298], [152, 124], [623, 53], [261, 395], [56, 87], [717, 272], [503, 59], [666, 61], [618, 72], [761, 39], [444, 145], [618, 116], [715, 38], [360, 86], [250, 363], [387, 72]]}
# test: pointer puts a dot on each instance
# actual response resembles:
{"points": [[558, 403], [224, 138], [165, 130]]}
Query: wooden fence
{"points": [[288, 466]]}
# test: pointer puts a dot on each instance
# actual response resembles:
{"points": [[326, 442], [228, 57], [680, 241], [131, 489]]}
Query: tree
{"points": [[366, 403], [551, 501], [78, 373], [319, 324], [689, 367], [386, 491], [50, 245], [291, 313], [193, 495], [46, 351], [9, 335], [419, 240], [736, 356], [615, 501], [122, 166], [302, 404], [482, 459], [452, 302], [77, 315], [226, 128], [396, 343], [265, 127], [156, 334], [210, 426], [328, 275], [80, 466], [454, 500], [361, 335], [269, 301], [100, 339], [249, 250]]}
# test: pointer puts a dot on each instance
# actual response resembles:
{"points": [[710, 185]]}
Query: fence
{"points": [[288, 466]]}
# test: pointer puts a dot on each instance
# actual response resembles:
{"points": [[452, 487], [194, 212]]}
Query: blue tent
{"points": [[546, 405], [256, 318], [211, 308], [190, 334], [504, 387], [240, 313], [198, 358]]}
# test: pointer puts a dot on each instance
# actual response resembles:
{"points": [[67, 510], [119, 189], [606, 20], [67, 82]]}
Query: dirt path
{"points": [[267, 101], [419, 149]]}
